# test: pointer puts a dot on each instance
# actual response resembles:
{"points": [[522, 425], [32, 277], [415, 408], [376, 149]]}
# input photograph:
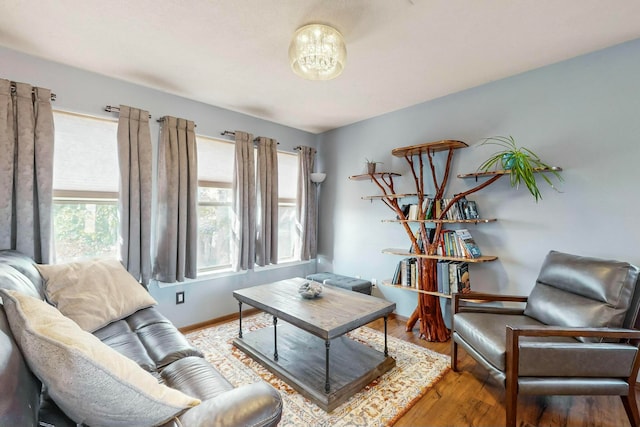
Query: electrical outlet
{"points": [[180, 297]]}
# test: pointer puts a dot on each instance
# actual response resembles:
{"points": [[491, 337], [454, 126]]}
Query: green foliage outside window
{"points": [[85, 230]]}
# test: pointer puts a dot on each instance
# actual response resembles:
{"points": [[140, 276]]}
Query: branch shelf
{"points": [[403, 252], [420, 291], [413, 150], [371, 176], [389, 196], [443, 221], [506, 172]]}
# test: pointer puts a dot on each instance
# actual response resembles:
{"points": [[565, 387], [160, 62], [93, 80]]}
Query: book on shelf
{"points": [[403, 272], [468, 243], [413, 273], [463, 278], [418, 236], [453, 277], [462, 209], [442, 274], [433, 208], [413, 212], [396, 279], [405, 211], [471, 210], [457, 243], [406, 273], [428, 209]]}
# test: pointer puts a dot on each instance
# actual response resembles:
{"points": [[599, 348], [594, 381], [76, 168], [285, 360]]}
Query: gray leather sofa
{"points": [[147, 338]]}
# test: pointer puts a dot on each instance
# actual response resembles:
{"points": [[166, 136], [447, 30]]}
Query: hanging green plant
{"points": [[521, 163]]}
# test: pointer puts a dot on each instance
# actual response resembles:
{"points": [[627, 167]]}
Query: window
{"points": [[215, 177], [287, 195], [85, 188]]}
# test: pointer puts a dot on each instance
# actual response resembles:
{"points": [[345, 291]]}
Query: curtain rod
{"points": [[13, 90], [300, 148], [112, 109], [231, 133], [161, 119]]}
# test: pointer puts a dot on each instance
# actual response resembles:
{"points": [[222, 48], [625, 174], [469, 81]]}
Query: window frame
{"points": [[84, 197], [287, 202]]}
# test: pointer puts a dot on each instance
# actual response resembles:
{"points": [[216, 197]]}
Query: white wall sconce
{"points": [[317, 177]]}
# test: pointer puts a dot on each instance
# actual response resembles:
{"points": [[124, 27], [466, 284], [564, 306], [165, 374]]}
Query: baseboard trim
{"points": [[222, 319]]}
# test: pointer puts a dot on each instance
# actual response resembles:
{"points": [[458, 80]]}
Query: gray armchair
{"points": [[575, 336]]}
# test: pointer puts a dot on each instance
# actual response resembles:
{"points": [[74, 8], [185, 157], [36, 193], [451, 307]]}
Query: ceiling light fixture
{"points": [[317, 52]]}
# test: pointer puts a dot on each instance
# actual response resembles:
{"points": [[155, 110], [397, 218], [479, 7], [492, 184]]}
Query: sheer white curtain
{"points": [[134, 202], [26, 169], [267, 196], [244, 203], [177, 230], [306, 207]]}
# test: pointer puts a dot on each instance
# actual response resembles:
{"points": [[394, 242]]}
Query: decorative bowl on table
{"points": [[310, 290]]}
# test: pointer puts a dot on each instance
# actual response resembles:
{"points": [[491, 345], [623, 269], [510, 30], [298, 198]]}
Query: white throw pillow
{"points": [[94, 293], [90, 382]]}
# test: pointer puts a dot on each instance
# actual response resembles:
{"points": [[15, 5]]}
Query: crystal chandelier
{"points": [[317, 52]]}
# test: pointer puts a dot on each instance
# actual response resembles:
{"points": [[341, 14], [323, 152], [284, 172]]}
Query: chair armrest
{"points": [[631, 336], [481, 298], [564, 331]]}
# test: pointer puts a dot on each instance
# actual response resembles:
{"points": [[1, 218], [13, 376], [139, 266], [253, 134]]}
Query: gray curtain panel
{"points": [[306, 210], [244, 203], [134, 203], [177, 231], [26, 169], [267, 197]]}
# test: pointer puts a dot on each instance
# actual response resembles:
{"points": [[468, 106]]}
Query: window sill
{"points": [[281, 265], [211, 275]]}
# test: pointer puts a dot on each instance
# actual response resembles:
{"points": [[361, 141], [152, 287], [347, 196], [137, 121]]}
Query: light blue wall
{"points": [[88, 93], [582, 114]]}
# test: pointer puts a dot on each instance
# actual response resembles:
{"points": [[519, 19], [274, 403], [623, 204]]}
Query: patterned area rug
{"points": [[380, 403]]}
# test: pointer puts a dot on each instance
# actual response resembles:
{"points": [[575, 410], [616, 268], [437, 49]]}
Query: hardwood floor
{"points": [[471, 398]]}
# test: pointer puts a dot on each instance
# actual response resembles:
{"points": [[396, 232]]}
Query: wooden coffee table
{"points": [[310, 351]]}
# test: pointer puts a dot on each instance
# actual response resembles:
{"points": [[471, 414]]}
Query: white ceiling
{"points": [[233, 53]]}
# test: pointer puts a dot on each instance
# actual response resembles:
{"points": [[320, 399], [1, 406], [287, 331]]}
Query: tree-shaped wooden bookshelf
{"points": [[432, 326]]}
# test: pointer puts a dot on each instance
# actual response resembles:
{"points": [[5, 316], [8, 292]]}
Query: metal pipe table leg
{"points": [[386, 350], [275, 338], [327, 386], [240, 317]]}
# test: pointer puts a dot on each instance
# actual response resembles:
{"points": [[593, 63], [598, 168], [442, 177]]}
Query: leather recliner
{"points": [[575, 335]]}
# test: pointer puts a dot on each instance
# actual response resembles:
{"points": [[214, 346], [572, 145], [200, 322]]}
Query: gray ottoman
{"points": [[344, 282]]}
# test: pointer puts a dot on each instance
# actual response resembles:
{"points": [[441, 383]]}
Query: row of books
{"points": [[406, 273], [458, 243], [462, 209], [433, 208], [452, 276]]}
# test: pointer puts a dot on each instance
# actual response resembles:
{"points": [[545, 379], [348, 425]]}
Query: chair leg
{"points": [[631, 407], [454, 355], [511, 403]]}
